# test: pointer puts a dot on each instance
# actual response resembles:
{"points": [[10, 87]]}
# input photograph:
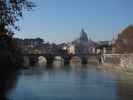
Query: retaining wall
{"points": [[122, 61]]}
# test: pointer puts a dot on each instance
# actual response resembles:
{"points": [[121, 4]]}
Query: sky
{"points": [[62, 20]]}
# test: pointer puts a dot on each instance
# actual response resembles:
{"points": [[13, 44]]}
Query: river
{"points": [[68, 83]]}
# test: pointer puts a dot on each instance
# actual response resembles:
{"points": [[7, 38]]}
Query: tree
{"points": [[10, 12], [10, 55], [39, 41]]}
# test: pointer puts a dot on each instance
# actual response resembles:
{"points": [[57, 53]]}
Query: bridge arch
{"points": [[75, 61], [58, 61], [92, 59], [42, 61]]}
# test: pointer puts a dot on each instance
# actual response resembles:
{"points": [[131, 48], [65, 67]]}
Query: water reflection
{"points": [[7, 82], [125, 86], [66, 83]]}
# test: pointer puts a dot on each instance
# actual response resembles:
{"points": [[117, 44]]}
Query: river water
{"points": [[72, 83]]}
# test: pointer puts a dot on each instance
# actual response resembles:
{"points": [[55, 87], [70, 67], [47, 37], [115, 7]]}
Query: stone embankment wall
{"points": [[118, 61]]}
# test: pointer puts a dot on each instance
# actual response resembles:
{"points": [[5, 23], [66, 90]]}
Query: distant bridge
{"points": [[85, 58]]}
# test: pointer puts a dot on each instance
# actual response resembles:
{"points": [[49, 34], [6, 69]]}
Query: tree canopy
{"points": [[10, 12]]}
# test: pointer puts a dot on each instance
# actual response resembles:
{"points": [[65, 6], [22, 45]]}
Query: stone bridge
{"points": [[32, 59]]}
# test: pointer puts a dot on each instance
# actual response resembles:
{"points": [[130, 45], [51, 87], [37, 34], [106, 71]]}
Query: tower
{"points": [[83, 36]]}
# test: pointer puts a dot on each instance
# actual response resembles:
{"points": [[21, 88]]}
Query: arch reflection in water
{"points": [[75, 62], [58, 62], [42, 61]]}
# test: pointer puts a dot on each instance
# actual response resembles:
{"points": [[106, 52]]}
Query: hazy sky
{"points": [[62, 20]]}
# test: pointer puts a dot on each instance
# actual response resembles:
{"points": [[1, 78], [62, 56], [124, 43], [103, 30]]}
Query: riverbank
{"points": [[114, 67], [118, 62]]}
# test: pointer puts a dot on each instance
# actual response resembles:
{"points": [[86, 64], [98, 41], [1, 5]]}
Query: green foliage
{"points": [[10, 12]]}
